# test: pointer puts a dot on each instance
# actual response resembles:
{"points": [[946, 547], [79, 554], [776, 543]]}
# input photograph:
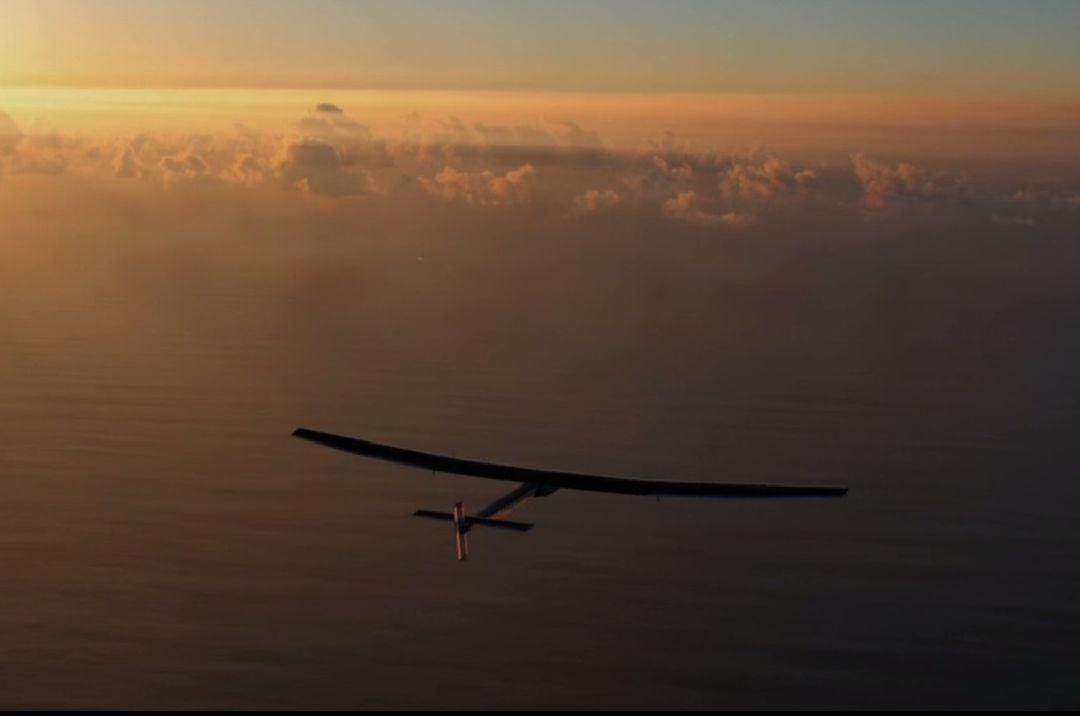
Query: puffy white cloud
{"points": [[668, 143], [186, 168], [315, 166], [484, 188], [247, 170], [653, 177], [707, 188], [505, 186], [884, 185], [765, 178], [125, 162], [679, 173], [668, 166], [41, 152]]}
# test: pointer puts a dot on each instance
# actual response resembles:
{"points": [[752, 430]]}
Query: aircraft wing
{"points": [[554, 479]]}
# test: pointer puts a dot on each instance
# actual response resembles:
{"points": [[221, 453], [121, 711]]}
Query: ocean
{"points": [[166, 543]]}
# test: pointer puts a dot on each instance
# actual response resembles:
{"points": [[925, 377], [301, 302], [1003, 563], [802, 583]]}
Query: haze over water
{"points": [[641, 255]]}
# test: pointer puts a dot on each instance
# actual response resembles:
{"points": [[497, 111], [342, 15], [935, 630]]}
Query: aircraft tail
{"points": [[463, 523]]}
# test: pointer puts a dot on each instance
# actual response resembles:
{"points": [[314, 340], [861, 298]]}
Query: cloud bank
{"points": [[329, 154]]}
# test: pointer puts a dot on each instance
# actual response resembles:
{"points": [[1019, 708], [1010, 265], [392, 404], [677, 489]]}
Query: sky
{"points": [[706, 113], [684, 109], [908, 47]]}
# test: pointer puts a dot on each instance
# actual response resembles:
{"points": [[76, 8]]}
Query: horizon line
{"points": [[954, 97]]}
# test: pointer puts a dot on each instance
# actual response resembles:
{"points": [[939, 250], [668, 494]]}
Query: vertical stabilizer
{"points": [[461, 528]]}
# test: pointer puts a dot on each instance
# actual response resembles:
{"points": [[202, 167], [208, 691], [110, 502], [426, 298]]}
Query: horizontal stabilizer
{"points": [[501, 524], [431, 515], [473, 521]]}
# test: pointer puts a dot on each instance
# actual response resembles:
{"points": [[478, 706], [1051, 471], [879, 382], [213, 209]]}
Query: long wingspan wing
{"points": [[556, 479]]}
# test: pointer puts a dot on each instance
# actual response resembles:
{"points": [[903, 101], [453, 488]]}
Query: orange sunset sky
{"points": [[268, 96]]}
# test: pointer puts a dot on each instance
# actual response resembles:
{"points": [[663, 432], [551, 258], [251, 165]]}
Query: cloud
{"points": [[453, 136], [1050, 197], [125, 163], [314, 166], [45, 141], [42, 153], [565, 134], [454, 128], [668, 143], [707, 188], [656, 177], [483, 188], [667, 165], [10, 136], [53, 165], [596, 200], [679, 173], [186, 168], [505, 185], [247, 170], [373, 153], [550, 163], [330, 123], [521, 135], [570, 134], [764, 179], [884, 185], [685, 206]]}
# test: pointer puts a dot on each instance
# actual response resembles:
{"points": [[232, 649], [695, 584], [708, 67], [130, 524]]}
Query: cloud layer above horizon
{"points": [[568, 170]]}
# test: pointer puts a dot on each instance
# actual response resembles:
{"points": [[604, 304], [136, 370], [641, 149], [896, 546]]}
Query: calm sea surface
{"points": [[165, 542]]}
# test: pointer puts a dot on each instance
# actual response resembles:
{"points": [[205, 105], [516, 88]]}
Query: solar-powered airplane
{"points": [[541, 483]]}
